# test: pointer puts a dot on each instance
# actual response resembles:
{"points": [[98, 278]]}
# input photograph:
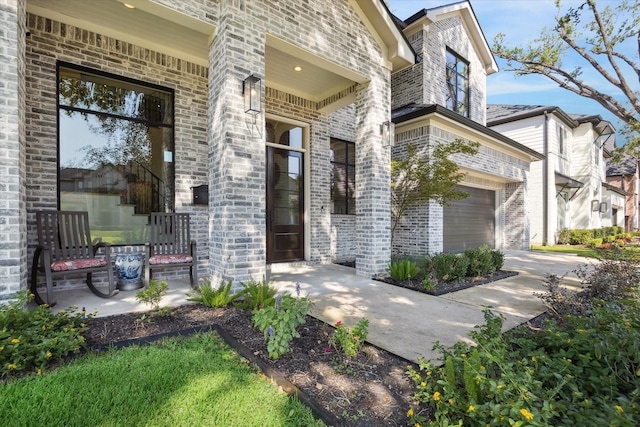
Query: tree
{"points": [[432, 175], [596, 36]]}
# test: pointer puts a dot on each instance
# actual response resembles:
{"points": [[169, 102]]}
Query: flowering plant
{"points": [[349, 340], [430, 282], [278, 322]]}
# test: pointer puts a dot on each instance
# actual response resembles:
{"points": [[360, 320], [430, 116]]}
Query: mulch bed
{"points": [[370, 389], [447, 287]]}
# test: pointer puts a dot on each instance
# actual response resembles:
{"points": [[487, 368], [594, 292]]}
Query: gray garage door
{"points": [[470, 223]]}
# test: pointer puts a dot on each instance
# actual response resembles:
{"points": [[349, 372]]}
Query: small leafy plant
{"points": [[349, 340], [152, 296], [278, 322], [449, 267], [257, 294], [403, 269], [429, 282], [213, 297], [33, 338]]}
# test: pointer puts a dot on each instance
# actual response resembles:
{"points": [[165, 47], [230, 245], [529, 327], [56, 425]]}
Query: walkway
{"points": [[404, 322], [407, 323]]}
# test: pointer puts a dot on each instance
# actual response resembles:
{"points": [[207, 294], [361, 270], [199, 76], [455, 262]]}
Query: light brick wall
{"points": [[51, 41], [13, 236], [343, 227], [420, 232], [425, 82]]}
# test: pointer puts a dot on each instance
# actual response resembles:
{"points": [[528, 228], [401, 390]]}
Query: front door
{"points": [[285, 207]]}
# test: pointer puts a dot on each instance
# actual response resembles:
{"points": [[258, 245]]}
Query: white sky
{"points": [[522, 21]]}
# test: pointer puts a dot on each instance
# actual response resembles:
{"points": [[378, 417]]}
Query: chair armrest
{"points": [[194, 247], [147, 251], [106, 247]]}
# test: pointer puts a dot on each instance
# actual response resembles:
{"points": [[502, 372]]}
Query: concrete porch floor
{"points": [[404, 322]]}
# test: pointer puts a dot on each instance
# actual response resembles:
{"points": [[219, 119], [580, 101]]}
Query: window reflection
{"points": [[116, 153]]}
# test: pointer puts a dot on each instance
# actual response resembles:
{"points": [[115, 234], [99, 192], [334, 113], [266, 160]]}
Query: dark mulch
{"points": [[442, 287], [370, 389], [446, 287]]}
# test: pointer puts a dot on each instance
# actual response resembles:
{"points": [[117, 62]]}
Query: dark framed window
{"points": [[343, 177], [457, 75], [116, 151]]}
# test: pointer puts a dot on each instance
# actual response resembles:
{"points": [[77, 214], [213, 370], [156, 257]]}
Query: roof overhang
{"points": [[463, 9], [376, 16], [421, 115], [614, 189], [567, 181]]}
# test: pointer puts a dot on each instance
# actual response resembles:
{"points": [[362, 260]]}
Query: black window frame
{"points": [[349, 207], [171, 125], [454, 96]]}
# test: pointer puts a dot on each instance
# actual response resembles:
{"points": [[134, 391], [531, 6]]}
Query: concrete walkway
{"points": [[407, 323], [401, 321]]}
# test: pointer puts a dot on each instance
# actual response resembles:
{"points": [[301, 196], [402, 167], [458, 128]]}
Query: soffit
{"points": [[149, 25]]}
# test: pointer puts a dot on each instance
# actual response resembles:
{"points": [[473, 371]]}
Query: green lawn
{"points": [[194, 381], [585, 251]]}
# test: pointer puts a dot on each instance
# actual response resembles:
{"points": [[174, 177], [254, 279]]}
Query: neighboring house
{"points": [[442, 98], [566, 189], [626, 177]]}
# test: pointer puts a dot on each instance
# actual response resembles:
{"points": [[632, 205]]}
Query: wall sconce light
{"points": [[387, 131], [251, 89], [595, 205]]}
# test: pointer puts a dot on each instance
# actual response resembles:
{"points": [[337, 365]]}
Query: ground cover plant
{"points": [[33, 338], [580, 367], [197, 380]]}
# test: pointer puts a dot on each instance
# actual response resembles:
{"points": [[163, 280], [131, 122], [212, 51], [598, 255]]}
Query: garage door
{"points": [[471, 222]]}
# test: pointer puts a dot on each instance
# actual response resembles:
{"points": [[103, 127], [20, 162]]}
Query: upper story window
{"points": [[116, 152], [457, 75], [343, 177], [562, 133]]}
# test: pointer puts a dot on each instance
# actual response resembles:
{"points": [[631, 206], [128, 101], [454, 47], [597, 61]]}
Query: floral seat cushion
{"points": [[169, 259], [77, 264]]}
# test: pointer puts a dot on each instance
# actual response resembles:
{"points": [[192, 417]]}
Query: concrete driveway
{"points": [[408, 323]]}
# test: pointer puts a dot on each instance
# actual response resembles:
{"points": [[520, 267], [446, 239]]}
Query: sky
{"points": [[522, 21]]}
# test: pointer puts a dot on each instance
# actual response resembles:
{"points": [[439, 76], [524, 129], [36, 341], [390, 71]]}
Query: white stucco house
{"points": [[568, 190], [278, 110]]}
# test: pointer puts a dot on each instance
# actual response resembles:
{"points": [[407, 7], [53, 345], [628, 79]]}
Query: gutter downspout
{"points": [[545, 180]]}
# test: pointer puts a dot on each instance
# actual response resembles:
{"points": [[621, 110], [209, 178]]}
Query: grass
{"points": [[587, 252], [582, 251], [196, 380]]}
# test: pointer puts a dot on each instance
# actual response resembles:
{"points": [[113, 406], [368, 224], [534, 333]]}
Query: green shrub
{"points": [[583, 374], [498, 260], [594, 243], [403, 269], [30, 339], [480, 261], [349, 340], [449, 267], [278, 322], [213, 297], [152, 296], [257, 294], [580, 237], [564, 236]]}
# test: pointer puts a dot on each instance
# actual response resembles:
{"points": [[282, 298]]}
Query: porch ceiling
{"points": [[148, 24], [163, 30]]}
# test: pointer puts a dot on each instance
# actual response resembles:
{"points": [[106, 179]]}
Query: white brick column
{"points": [[319, 187], [13, 213], [237, 200], [373, 177]]}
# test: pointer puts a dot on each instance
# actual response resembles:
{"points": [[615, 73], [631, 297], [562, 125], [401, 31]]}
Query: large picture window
{"points": [[343, 177], [115, 152], [457, 75]]}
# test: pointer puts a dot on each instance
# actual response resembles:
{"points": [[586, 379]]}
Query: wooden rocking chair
{"points": [[65, 247], [170, 245]]}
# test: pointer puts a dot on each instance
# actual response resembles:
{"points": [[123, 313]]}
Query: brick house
{"points": [[626, 177], [568, 190], [274, 110], [442, 98]]}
